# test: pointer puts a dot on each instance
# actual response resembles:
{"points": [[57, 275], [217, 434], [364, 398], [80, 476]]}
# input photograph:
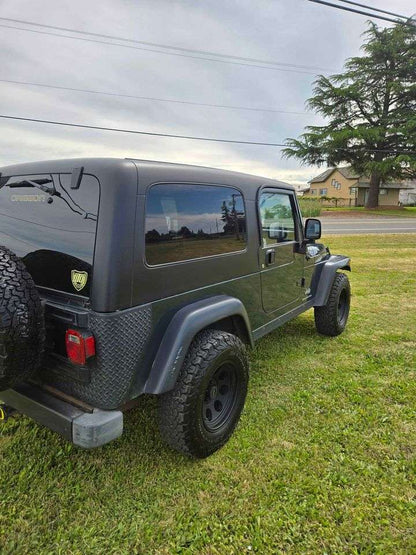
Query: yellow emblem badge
{"points": [[79, 279]]}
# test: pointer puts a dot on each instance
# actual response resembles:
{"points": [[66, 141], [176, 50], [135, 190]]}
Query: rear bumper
{"points": [[85, 429]]}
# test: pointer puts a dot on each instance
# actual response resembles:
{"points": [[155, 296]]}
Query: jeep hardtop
{"points": [[120, 278]]}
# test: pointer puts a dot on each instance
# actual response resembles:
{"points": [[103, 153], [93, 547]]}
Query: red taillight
{"points": [[79, 346]]}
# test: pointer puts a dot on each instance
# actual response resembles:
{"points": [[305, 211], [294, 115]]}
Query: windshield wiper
{"points": [[38, 183], [41, 184]]}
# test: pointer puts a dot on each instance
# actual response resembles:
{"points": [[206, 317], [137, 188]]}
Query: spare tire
{"points": [[22, 324]]}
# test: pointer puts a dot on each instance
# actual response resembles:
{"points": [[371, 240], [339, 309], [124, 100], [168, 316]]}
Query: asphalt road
{"points": [[332, 225]]}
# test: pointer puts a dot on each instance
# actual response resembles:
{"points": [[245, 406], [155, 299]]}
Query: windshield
{"points": [[51, 227]]}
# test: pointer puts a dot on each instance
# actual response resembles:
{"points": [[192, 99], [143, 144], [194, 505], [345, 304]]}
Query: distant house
{"points": [[301, 190], [408, 196], [351, 189]]}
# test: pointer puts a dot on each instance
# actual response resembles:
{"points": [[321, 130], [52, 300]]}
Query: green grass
{"points": [[323, 460], [405, 212]]}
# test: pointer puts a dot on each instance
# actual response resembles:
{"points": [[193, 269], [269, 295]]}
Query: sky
{"points": [[295, 32]]}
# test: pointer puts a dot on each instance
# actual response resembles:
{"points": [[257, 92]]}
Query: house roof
{"points": [[322, 176], [345, 171]]}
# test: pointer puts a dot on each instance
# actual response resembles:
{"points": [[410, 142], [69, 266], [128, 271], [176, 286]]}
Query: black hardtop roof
{"points": [[65, 165], [100, 165]]}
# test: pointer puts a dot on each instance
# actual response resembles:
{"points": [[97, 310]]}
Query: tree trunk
{"points": [[373, 192]]}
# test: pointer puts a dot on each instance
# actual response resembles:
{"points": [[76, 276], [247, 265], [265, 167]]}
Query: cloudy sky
{"points": [[290, 32]]}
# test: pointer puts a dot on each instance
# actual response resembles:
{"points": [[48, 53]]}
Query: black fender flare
{"points": [[183, 327], [325, 278]]}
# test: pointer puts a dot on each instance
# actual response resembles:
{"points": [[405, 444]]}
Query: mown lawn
{"points": [[323, 460]]}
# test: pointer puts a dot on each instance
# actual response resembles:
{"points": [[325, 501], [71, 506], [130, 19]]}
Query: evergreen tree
{"points": [[370, 110]]}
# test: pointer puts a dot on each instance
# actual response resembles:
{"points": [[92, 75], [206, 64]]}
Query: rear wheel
{"points": [[199, 415], [331, 319]]}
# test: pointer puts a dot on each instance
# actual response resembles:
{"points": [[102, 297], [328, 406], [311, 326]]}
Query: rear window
{"points": [[185, 222], [51, 227]]}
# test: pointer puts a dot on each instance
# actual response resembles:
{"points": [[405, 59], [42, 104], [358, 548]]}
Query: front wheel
{"points": [[331, 319], [199, 415]]}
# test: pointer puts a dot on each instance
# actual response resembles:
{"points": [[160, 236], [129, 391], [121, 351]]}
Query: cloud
{"points": [[306, 35]]}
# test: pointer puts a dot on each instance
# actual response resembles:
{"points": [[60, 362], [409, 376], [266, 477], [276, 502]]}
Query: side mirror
{"points": [[312, 229]]}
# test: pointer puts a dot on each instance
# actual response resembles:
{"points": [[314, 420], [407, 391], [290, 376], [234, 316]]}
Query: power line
{"points": [[172, 136], [159, 51], [121, 95], [184, 52], [157, 45], [373, 9], [132, 131], [345, 8]]}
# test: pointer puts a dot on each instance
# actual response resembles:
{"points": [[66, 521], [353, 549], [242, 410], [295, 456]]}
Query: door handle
{"points": [[270, 256]]}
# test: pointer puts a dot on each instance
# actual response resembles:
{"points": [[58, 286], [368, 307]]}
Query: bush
{"points": [[310, 207]]}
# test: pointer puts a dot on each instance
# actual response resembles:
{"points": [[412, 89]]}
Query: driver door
{"points": [[281, 265]]}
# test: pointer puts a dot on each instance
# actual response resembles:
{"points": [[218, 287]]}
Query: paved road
{"points": [[331, 225]]}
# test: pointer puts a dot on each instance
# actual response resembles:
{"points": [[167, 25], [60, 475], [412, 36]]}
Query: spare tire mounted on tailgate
{"points": [[22, 326]]}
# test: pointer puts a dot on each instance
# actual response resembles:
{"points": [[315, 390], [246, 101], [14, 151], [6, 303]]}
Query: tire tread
{"points": [[326, 321], [176, 406], [22, 328]]}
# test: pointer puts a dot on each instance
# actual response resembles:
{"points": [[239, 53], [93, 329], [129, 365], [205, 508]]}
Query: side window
{"points": [[184, 222], [277, 218]]}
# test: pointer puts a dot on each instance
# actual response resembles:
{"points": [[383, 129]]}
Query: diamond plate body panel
{"points": [[120, 339]]}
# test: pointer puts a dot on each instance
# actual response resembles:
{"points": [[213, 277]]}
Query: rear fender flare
{"points": [[182, 329]]}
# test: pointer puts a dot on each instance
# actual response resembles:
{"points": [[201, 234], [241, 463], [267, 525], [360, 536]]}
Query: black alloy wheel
{"points": [[220, 397]]}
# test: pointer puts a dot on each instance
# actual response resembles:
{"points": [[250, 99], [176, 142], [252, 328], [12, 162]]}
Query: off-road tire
{"points": [[22, 327], [182, 420], [331, 319]]}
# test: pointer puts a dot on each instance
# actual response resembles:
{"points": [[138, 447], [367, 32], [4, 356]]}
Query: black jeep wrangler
{"points": [[120, 278]]}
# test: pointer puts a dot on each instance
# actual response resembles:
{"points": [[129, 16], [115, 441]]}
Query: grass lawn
{"points": [[323, 461], [405, 212]]}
